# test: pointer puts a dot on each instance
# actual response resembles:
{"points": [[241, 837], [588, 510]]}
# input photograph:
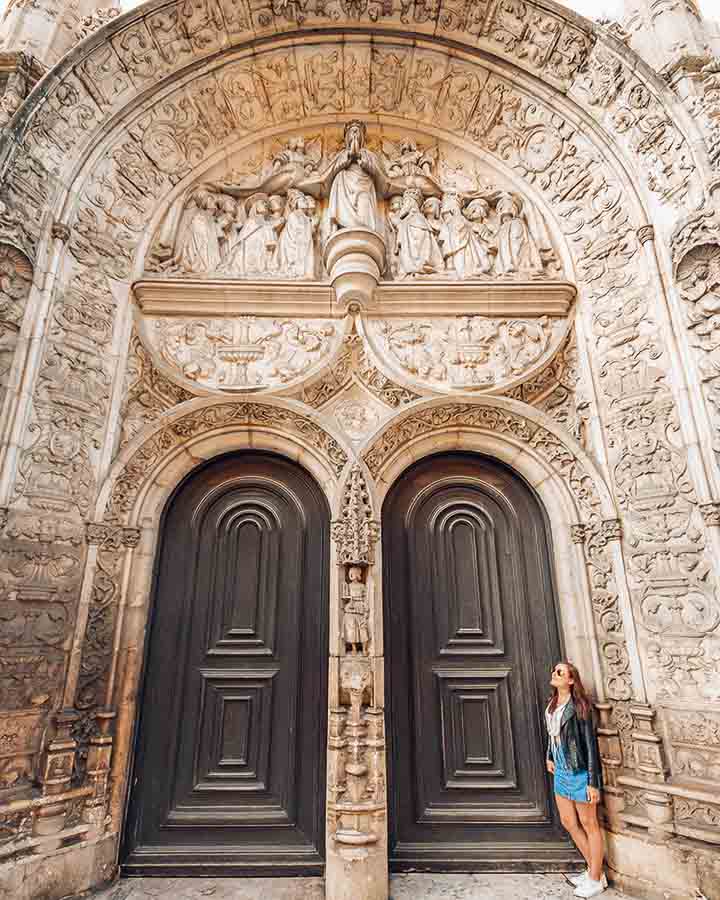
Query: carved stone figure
{"points": [[356, 176], [463, 254], [254, 249], [517, 252], [198, 241], [355, 613], [417, 249], [296, 246], [477, 213]]}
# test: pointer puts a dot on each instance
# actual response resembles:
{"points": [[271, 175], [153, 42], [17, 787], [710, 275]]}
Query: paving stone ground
{"points": [[403, 887]]}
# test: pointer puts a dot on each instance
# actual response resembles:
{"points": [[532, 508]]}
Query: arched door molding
{"points": [[582, 516]]}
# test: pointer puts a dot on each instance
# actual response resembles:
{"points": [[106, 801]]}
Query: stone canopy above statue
{"points": [[435, 211]]}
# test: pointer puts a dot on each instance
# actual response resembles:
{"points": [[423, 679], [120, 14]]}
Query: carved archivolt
{"points": [[16, 276], [212, 417], [572, 467]]}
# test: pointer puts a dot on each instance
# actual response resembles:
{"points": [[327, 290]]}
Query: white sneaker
{"points": [[577, 880], [590, 888]]}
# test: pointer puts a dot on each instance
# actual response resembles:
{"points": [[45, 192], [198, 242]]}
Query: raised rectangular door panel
{"points": [[471, 635], [230, 764]]}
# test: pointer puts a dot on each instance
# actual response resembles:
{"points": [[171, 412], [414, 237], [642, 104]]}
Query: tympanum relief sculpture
{"points": [[243, 352], [465, 351], [436, 218], [280, 211]]}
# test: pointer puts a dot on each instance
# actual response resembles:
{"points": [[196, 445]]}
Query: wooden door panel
{"points": [[470, 638], [461, 558], [229, 769]]}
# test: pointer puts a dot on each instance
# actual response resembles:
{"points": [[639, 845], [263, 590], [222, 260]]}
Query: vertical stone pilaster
{"points": [[57, 764], [357, 804]]}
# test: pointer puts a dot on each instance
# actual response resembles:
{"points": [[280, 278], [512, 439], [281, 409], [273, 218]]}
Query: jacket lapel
{"points": [[568, 713]]}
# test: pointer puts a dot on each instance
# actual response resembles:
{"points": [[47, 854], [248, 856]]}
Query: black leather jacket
{"points": [[579, 743]]}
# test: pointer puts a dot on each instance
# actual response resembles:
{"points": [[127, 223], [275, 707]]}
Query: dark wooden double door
{"points": [[229, 774], [470, 638]]}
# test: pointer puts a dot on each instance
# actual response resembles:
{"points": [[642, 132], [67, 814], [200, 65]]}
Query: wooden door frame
{"points": [[220, 869]]}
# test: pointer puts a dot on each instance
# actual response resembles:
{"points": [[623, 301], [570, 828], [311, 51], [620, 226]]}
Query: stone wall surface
{"points": [[559, 311]]}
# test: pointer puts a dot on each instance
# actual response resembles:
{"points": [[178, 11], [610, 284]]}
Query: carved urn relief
{"points": [[452, 275]]}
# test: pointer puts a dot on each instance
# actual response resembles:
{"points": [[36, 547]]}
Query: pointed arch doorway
{"points": [[471, 634], [229, 770]]}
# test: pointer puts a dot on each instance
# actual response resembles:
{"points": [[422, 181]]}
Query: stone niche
{"points": [[455, 274]]}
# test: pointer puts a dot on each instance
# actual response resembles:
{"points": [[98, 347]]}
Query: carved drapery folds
{"points": [[435, 220], [356, 738]]}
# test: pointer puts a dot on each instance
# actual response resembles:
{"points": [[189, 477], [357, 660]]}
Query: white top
{"points": [[553, 721]]}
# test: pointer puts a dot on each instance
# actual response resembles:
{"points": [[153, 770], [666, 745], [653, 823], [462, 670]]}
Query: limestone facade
{"points": [[534, 276]]}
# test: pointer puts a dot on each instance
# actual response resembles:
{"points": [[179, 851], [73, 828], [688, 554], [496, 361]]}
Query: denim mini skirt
{"points": [[573, 785]]}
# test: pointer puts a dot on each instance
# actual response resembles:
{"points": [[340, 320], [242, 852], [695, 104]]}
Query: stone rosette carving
{"points": [[242, 352], [468, 352]]}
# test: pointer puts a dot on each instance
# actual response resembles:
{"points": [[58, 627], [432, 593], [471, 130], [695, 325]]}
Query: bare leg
{"points": [[571, 823], [587, 813]]}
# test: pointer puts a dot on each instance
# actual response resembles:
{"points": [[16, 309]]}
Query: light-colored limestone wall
{"points": [[616, 432]]}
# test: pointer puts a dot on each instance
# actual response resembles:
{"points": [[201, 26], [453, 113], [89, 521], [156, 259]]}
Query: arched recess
{"points": [[124, 539], [230, 748], [596, 620]]}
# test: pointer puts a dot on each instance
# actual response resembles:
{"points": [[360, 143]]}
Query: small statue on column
{"points": [[356, 630]]}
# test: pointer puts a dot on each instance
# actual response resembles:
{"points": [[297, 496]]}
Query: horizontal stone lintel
{"points": [[687, 791], [314, 299]]}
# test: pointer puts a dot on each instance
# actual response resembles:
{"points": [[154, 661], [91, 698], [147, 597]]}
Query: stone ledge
{"points": [[217, 297]]}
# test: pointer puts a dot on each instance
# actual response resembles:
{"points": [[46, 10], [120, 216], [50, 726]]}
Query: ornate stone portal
{"points": [[404, 229]]}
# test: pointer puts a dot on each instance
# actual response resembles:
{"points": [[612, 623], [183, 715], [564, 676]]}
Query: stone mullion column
{"points": [[356, 785]]}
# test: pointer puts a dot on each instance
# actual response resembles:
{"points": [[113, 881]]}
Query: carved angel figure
{"points": [[417, 249], [256, 243], [296, 247], [517, 252], [405, 159]]}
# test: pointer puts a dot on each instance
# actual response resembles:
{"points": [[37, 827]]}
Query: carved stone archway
{"points": [[149, 101]]}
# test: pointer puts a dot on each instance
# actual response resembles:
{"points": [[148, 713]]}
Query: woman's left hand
{"points": [[593, 795]]}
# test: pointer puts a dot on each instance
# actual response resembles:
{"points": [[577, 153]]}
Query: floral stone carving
{"points": [[243, 352], [466, 351]]}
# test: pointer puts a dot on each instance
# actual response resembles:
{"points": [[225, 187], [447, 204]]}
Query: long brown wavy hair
{"points": [[579, 695]]}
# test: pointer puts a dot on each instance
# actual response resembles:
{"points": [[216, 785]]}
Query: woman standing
{"points": [[574, 761]]}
